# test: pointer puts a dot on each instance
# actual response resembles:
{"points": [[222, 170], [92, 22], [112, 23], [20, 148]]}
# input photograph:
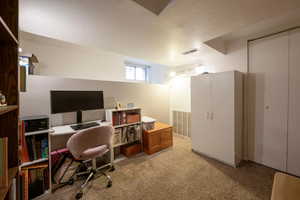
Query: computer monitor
{"points": [[75, 101]]}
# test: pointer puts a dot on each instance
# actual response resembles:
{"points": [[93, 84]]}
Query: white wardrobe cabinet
{"points": [[293, 137], [274, 101], [216, 113]]}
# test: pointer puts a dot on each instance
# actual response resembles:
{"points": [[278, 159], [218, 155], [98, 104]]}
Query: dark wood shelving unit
{"points": [[12, 172], [6, 35], [9, 85], [6, 109]]}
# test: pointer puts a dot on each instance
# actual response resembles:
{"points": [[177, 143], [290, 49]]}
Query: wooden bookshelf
{"points": [[6, 35], [122, 122], [25, 164], [6, 109], [12, 172], [9, 85]]}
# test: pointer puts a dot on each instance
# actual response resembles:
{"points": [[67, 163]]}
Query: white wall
{"points": [[153, 99], [62, 59], [235, 59], [180, 95]]}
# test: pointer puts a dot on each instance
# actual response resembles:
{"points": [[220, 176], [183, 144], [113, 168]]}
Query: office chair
{"points": [[87, 145]]}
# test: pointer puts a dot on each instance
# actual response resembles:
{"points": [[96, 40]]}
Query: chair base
{"points": [[91, 175]]}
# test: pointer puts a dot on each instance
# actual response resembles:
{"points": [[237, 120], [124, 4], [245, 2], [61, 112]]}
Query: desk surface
{"points": [[66, 129]]}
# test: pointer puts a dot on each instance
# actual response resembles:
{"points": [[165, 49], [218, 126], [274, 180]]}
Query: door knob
{"points": [[267, 107]]}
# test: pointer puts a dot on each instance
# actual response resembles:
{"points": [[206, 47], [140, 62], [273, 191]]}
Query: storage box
{"points": [[117, 137], [133, 118], [131, 149], [148, 123]]}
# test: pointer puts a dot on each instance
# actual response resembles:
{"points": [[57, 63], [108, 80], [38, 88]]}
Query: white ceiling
{"points": [[125, 27]]}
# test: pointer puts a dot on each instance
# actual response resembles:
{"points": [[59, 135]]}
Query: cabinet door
{"points": [[293, 164], [200, 112], [268, 101], [166, 138], [154, 142], [222, 135]]}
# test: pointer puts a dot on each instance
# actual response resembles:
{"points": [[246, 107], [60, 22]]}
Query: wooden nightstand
{"points": [[159, 138]]}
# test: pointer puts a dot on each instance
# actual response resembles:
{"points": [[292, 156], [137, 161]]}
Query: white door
{"points": [[268, 97], [293, 164], [223, 121], [200, 112]]}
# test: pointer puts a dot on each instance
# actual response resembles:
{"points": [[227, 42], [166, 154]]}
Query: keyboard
{"points": [[84, 126]]}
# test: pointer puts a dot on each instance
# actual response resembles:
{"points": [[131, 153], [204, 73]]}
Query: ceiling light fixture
{"points": [[172, 74]]}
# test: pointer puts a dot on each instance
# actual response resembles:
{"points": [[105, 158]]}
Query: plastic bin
{"points": [[148, 123]]}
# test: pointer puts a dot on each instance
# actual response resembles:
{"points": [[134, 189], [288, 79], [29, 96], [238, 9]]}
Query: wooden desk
{"points": [[285, 187], [159, 138]]}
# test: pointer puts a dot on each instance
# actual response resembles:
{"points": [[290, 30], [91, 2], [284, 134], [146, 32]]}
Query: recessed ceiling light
{"points": [[172, 74]]}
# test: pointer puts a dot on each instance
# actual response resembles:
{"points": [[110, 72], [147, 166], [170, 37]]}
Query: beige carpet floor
{"points": [[178, 174]]}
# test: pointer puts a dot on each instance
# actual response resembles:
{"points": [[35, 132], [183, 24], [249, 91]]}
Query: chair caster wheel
{"points": [[109, 184], [79, 195], [112, 169], [71, 182]]}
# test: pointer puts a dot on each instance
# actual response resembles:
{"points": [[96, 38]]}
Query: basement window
{"points": [[136, 72]]}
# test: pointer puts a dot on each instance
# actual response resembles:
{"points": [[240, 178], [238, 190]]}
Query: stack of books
{"points": [[123, 117], [119, 118], [35, 181], [37, 146]]}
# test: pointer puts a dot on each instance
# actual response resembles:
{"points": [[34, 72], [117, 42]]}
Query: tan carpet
{"points": [[178, 174]]}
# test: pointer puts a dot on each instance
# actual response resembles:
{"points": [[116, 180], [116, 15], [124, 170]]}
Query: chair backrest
{"points": [[90, 138]]}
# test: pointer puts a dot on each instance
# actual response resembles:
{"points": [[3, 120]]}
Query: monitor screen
{"points": [[72, 101]]}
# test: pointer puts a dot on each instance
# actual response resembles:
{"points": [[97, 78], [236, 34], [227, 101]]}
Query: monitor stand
{"points": [[80, 125], [79, 117]]}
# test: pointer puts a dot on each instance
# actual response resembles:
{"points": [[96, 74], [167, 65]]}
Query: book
{"points": [[46, 179], [33, 148], [36, 187], [115, 119], [44, 147], [3, 162], [123, 117], [38, 149], [34, 180], [24, 148], [25, 184], [29, 147]]}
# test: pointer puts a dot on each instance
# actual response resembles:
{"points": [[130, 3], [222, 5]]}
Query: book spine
{"points": [[44, 148], [29, 147], [24, 147], [33, 148], [38, 149]]}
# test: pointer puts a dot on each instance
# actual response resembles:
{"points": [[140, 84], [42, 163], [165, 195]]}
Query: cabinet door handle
{"points": [[211, 116], [267, 107]]}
